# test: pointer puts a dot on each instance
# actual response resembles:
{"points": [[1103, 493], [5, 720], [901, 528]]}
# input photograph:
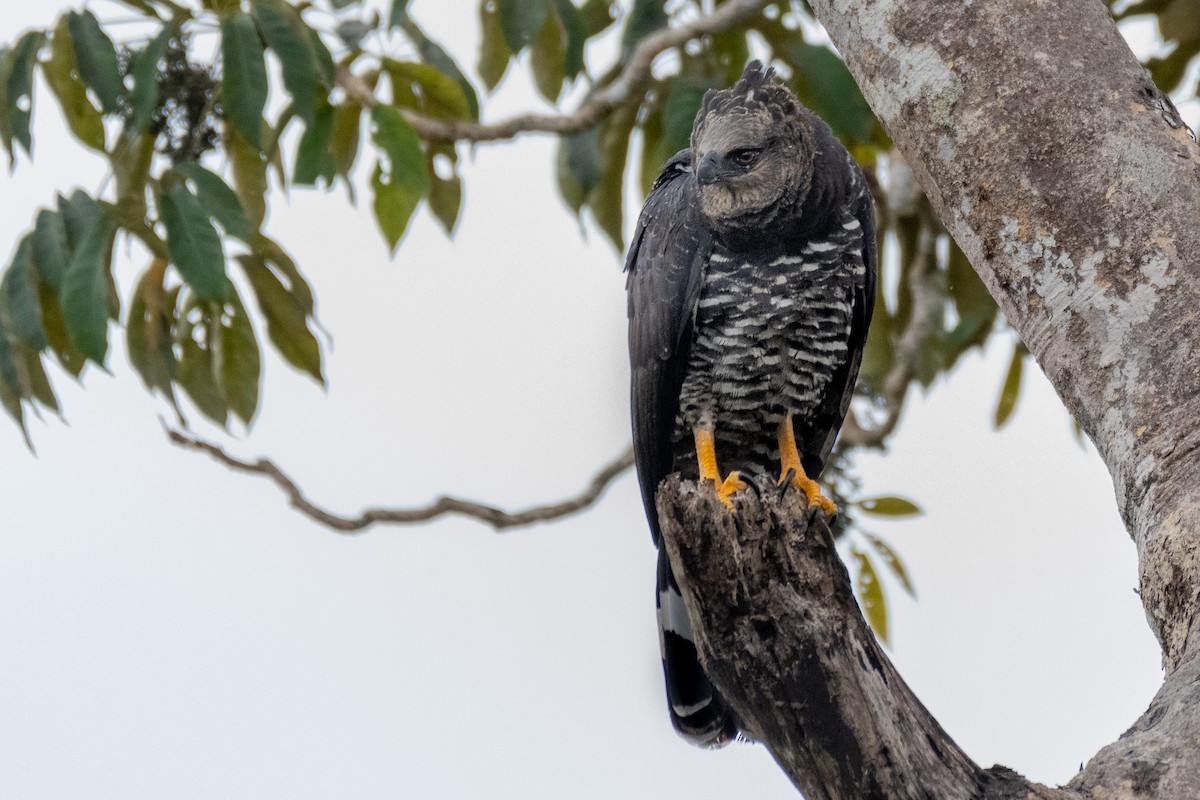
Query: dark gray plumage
{"points": [[751, 284]]}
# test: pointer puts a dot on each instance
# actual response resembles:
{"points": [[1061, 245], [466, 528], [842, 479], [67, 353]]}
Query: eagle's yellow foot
{"points": [[813, 492], [731, 484], [791, 468], [706, 457]]}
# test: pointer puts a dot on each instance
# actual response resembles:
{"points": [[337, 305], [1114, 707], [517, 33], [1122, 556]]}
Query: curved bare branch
{"points": [[489, 515]]}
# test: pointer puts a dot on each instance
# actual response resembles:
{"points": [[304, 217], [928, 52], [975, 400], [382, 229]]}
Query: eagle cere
{"points": [[751, 281]]}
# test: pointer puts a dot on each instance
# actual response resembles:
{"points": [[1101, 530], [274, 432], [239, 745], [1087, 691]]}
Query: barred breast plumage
{"points": [[771, 331]]}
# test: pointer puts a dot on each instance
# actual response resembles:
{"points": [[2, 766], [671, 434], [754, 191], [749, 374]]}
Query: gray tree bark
{"points": [[1072, 185], [779, 631]]}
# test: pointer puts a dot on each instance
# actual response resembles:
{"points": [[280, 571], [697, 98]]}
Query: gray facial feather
{"points": [[767, 196]]}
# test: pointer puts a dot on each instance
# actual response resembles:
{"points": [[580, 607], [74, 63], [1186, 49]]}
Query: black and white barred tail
{"points": [[698, 711]]}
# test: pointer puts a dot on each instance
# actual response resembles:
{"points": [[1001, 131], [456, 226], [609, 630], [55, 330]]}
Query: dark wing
{"points": [[666, 269], [816, 442]]}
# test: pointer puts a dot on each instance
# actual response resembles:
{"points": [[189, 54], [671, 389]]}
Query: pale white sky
{"points": [[174, 630]]}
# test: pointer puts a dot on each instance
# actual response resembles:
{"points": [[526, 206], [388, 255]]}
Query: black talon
{"points": [[785, 483]]}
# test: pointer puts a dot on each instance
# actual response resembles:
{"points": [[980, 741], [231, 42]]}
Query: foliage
{"points": [[195, 137]]}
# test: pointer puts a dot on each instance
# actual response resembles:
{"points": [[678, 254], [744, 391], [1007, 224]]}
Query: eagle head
{"points": [[752, 153]]}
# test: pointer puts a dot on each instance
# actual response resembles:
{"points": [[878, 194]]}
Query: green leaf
{"points": [[6, 131], [579, 166], [97, 60], [68, 355], [132, 157], [353, 31], [145, 70], [219, 200], [344, 140], [1168, 71], [10, 386], [606, 199], [196, 368], [400, 143], [494, 53], [432, 54], [684, 97], [32, 373], [79, 214], [439, 94], [889, 506], [326, 69], [398, 15], [85, 291], [222, 7], [149, 332], [823, 83], [243, 77], [314, 161], [1012, 387], [879, 351], [893, 562], [62, 74], [50, 252], [283, 265], [19, 297], [287, 321], [445, 193], [193, 243], [289, 37], [238, 364], [547, 58], [645, 18], [520, 20], [652, 146], [249, 167], [598, 15], [731, 51], [394, 205], [575, 29], [18, 94], [869, 592], [401, 183], [975, 307]]}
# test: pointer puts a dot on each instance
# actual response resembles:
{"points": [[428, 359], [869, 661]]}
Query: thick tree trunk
{"points": [[1072, 185]]}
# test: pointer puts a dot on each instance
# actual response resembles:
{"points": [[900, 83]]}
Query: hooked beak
{"points": [[709, 168]]}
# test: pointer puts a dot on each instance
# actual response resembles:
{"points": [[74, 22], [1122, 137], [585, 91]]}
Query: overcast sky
{"points": [[171, 629]]}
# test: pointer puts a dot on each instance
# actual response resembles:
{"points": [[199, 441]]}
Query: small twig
{"points": [[489, 515], [633, 77]]}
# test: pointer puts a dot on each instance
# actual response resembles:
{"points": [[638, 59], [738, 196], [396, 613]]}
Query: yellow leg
{"points": [[706, 455], [789, 458]]}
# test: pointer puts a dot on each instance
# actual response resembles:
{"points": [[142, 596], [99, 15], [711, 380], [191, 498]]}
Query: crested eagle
{"points": [[751, 284]]}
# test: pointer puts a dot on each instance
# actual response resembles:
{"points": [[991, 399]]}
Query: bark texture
{"points": [[780, 634], [1072, 185]]}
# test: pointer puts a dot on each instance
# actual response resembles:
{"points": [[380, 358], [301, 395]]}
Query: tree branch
{"points": [[781, 636], [626, 88], [442, 506]]}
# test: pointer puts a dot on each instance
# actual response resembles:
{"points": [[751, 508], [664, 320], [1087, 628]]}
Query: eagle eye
{"points": [[744, 157]]}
